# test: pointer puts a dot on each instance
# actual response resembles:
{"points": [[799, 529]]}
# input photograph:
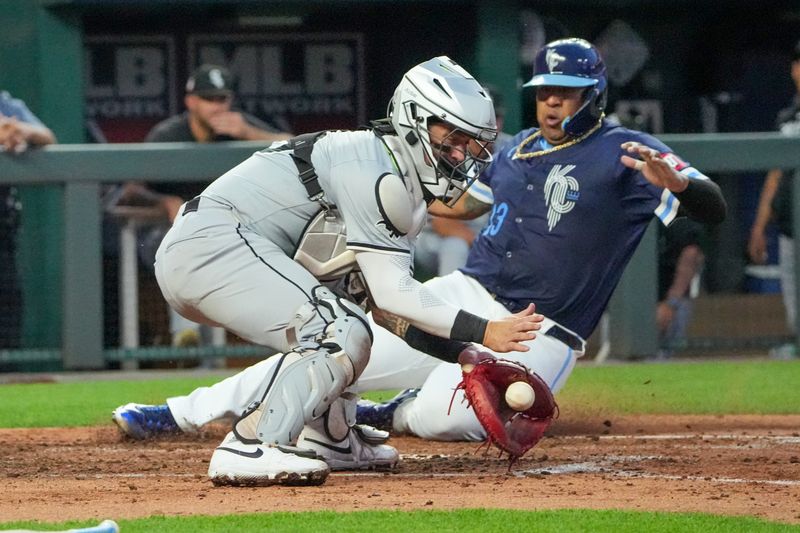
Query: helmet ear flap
{"points": [[594, 103], [599, 100]]}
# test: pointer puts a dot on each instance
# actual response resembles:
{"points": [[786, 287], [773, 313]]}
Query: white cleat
{"points": [[363, 448], [239, 464]]}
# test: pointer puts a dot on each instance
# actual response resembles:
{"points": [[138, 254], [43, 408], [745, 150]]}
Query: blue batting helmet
{"points": [[574, 63]]}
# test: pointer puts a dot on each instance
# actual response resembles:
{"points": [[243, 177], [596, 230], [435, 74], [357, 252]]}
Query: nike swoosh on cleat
{"points": [[252, 455], [331, 447]]}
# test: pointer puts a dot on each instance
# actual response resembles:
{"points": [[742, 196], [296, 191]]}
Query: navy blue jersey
{"points": [[565, 222]]}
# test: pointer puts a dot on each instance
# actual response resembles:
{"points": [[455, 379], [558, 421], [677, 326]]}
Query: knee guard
{"points": [[347, 327], [305, 382], [349, 331]]}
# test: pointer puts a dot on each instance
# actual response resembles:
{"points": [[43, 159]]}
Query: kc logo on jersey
{"points": [[560, 193]]}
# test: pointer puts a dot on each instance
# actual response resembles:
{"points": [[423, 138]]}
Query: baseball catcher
{"points": [[254, 253]]}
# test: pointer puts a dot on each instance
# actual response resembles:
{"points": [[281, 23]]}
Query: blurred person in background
{"points": [[775, 205], [503, 138], [680, 261], [20, 129], [209, 117]]}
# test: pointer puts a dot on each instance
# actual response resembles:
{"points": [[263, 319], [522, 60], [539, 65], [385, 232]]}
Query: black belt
{"points": [[191, 205], [557, 332], [565, 336]]}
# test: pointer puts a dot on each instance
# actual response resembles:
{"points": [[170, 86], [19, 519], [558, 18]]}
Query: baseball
{"points": [[520, 396], [467, 368]]}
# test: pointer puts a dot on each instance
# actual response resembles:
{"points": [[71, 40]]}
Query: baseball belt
{"points": [[567, 337], [556, 331]]}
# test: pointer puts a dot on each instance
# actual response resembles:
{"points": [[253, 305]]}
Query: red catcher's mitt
{"points": [[485, 384]]}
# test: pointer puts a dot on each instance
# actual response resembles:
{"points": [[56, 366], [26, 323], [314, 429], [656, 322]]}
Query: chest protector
{"points": [[323, 247]]}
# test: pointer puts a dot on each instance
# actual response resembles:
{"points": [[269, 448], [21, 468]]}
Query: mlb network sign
{"points": [[315, 80], [310, 81], [129, 83]]}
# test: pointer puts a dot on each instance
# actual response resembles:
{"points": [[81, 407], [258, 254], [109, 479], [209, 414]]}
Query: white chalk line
{"points": [[781, 439], [586, 467], [579, 468]]}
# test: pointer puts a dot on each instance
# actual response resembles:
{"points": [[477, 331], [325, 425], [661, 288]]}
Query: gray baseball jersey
{"points": [[227, 260], [268, 197]]}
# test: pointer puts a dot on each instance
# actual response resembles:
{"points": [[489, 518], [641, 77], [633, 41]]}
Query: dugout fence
{"points": [[69, 304]]}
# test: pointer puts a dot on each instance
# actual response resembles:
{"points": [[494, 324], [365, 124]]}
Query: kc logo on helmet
{"points": [[553, 58]]}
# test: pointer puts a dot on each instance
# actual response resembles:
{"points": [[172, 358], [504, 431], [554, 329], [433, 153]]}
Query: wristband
{"points": [[468, 327]]}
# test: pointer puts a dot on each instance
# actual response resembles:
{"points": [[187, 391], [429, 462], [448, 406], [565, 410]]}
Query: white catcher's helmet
{"points": [[439, 90]]}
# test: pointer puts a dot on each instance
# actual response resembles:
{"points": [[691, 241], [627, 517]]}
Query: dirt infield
{"points": [[732, 465]]}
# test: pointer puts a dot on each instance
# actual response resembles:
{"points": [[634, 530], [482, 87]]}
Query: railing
{"points": [[79, 171]]}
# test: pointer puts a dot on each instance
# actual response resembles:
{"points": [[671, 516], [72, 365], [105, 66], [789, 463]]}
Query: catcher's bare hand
{"points": [[653, 167], [508, 334]]}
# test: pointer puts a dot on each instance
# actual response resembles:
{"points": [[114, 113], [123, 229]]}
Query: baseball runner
{"points": [[258, 253], [569, 203]]}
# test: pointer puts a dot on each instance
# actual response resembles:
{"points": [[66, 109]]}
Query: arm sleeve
{"points": [[482, 192], [393, 289], [702, 201]]}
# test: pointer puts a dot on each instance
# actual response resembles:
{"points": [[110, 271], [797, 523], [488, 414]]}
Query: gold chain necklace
{"points": [[519, 155]]}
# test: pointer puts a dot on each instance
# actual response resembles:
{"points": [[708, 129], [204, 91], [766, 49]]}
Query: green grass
{"points": [[731, 387], [462, 521], [84, 403], [744, 387]]}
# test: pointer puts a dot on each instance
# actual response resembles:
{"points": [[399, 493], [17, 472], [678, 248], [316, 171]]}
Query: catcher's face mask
{"points": [[458, 157], [440, 92]]}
